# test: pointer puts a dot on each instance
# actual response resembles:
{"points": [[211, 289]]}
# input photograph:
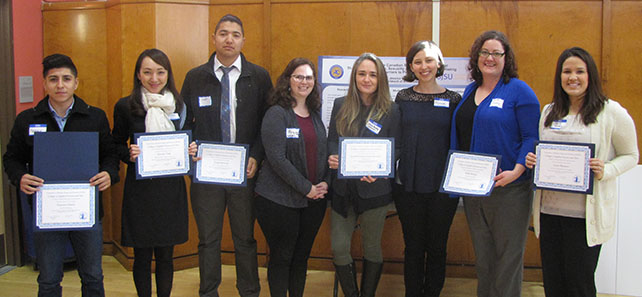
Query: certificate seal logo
{"points": [[336, 71]]}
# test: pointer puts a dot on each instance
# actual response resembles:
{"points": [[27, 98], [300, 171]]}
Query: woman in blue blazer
{"points": [[498, 115]]}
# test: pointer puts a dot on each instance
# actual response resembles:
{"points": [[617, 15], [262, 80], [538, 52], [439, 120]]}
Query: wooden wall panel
{"points": [[625, 75], [344, 28], [114, 92], [185, 48], [81, 34], [138, 32], [537, 35], [253, 26], [105, 39]]}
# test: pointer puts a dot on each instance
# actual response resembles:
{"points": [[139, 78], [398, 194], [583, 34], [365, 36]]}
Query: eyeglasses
{"points": [[300, 78], [495, 55]]}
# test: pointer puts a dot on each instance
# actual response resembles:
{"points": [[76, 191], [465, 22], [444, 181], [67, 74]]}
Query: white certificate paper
{"points": [[162, 154], [564, 167], [469, 174], [359, 157], [65, 206], [221, 164]]}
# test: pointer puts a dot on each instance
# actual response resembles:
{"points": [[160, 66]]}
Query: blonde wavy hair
{"points": [[347, 125]]}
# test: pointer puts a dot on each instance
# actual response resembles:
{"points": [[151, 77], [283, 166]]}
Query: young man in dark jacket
{"points": [[62, 111], [226, 99]]}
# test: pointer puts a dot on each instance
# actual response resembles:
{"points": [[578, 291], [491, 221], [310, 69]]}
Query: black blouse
{"points": [[425, 137]]}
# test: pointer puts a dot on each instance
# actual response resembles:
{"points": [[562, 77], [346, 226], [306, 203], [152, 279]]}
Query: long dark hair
{"points": [[510, 64], [281, 94], [594, 98], [135, 98]]}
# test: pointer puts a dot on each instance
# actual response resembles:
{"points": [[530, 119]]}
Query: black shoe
{"points": [[347, 275], [370, 278]]}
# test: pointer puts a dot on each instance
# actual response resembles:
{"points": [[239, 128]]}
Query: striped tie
{"points": [[226, 136]]}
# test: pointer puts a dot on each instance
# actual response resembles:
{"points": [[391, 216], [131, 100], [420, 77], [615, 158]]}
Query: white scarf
{"points": [[158, 107]]}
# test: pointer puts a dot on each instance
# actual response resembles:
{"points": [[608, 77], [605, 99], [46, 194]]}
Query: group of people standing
{"points": [[230, 100]]}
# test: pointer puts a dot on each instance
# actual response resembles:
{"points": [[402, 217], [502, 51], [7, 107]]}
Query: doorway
{"points": [[9, 225]]}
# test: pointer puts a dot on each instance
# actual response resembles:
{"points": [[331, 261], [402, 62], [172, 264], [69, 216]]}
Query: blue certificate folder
{"points": [[63, 158]]}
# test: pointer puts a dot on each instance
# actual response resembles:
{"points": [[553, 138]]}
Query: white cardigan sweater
{"points": [[616, 143]]}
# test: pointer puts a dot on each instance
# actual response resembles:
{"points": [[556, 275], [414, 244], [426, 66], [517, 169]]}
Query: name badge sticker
{"points": [[373, 126], [441, 102], [292, 132], [559, 124], [174, 116], [497, 102], [204, 101], [33, 128]]}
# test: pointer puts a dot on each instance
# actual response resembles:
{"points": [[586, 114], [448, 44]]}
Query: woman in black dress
{"points": [[154, 216], [424, 212]]}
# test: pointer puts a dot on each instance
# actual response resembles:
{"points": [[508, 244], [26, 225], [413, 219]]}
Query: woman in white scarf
{"points": [[154, 212]]}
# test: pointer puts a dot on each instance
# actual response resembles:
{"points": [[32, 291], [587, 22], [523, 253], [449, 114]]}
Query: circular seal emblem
{"points": [[336, 71]]}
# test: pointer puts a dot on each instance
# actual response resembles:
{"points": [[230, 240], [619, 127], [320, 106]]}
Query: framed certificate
{"points": [[221, 164], [564, 166], [359, 157], [470, 174], [65, 206], [163, 154]]}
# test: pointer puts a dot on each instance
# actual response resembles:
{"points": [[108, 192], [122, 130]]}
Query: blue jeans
{"points": [[88, 247]]}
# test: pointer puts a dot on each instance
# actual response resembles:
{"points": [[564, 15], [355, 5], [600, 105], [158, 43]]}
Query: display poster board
{"points": [[334, 73]]}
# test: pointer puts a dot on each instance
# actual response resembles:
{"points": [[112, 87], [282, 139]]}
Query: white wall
{"points": [[619, 270]]}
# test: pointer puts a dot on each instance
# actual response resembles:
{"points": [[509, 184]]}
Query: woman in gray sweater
{"points": [[292, 183]]}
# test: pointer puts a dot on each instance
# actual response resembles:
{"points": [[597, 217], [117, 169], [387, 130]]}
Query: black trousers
{"points": [[425, 221], [209, 203], [164, 270], [290, 234], [568, 263]]}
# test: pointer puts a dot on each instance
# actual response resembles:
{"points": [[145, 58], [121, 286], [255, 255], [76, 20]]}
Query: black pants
{"points": [[209, 203], [425, 221], [290, 234], [164, 270], [568, 263]]}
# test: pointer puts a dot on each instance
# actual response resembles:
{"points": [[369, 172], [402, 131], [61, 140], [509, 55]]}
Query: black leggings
{"points": [[164, 270]]}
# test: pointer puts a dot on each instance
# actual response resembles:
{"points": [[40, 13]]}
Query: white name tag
{"points": [[174, 116], [497, 102], [441, 102], [37, 128], [559, 124], [292, 132], [204, 101], [373, 126]]}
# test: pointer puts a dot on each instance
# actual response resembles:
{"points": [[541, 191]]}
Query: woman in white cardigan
{"points": [[571, 226]]}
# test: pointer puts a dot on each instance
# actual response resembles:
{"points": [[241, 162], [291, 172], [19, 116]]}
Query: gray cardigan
{"points": [[283, 175]]}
